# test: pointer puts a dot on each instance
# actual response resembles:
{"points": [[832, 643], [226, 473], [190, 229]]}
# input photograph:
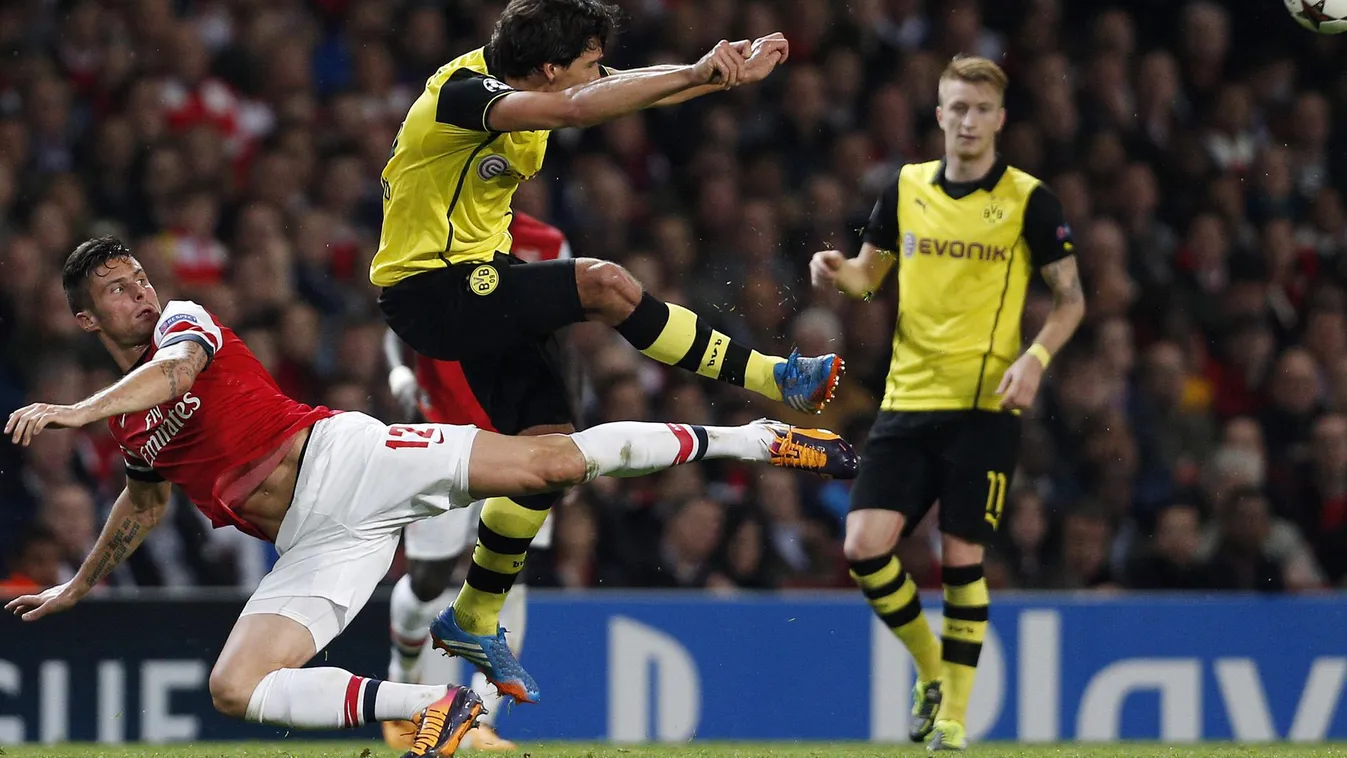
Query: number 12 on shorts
{"points": [[403, 435], [996, 497]]}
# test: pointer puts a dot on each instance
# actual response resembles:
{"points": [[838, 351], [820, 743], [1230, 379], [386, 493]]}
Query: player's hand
{"points": [[49, 601], [721, 66], [402, 383], [29, 421], [824, 267], [1019, 386], [765, 55]]}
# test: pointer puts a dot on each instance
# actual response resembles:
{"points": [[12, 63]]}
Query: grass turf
{"points": [[356, 749]]}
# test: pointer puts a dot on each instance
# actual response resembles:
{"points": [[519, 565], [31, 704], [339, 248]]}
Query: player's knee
{"points": [[231, 690], [556, 463], [429, 579], [863, 544], [607, 288]]}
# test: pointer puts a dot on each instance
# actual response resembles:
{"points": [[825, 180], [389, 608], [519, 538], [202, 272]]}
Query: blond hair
{"points": [[976, 71]]}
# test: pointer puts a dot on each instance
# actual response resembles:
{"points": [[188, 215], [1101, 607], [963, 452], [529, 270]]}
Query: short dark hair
{"points": [[530, 33], [83, 262]]}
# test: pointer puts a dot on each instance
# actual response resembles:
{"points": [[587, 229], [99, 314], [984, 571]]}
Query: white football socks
{"points": [[328, 698], [409, 628], [635, 448]]}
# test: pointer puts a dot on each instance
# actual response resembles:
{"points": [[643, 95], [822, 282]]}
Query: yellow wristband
{"points": [[1041, 353]]}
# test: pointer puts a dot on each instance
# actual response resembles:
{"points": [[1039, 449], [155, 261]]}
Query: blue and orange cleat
{"points": [[490, 655], [816, 450], [807, 384], [441, 727]]}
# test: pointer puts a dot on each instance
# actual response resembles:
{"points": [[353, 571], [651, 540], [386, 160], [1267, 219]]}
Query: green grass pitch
{"points": [[300, 749]]}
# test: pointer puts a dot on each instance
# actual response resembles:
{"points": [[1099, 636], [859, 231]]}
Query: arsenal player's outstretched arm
{"points": [[136, 512], [168, 375]]}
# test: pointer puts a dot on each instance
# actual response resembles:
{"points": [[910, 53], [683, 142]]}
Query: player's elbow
{"points": [[571, 112]]}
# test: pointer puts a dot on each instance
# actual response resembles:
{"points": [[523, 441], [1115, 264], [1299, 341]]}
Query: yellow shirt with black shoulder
{"points": [[966, 253], [449, 180]]}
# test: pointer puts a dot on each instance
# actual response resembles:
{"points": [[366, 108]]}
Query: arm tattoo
{"points": [[181, 371], [1064, 281], [120, 546]]}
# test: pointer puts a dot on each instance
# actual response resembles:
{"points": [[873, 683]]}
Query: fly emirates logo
{"points": [[169, 421]]}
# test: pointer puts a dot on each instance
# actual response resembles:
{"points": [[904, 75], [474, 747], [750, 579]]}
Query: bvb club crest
{"points": [[483, 280]]}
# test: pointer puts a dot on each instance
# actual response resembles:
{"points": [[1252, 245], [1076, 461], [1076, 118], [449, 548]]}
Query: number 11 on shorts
{"points": [[996, 497]]}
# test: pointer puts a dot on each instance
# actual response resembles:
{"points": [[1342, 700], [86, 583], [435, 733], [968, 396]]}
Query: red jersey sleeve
{"points": [[183, 320]]}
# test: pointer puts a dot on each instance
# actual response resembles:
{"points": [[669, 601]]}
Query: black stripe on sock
{"points": [[903, 616], [499, 543], [700, 433], [886, 589], [966, 612], [371, 692], [868, 566], [543, 501], [735, 365], [957, 576], [484, 579], [960, 651], [692, 359], [646, 323]]}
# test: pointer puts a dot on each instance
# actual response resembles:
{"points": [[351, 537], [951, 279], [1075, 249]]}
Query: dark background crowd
{"points": [[1193, 436]]}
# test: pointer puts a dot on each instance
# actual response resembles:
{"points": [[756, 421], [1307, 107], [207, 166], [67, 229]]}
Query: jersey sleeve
{"points": [[466, 98], [184, 320], [1045, 228], [882, 228], [139, 470]]}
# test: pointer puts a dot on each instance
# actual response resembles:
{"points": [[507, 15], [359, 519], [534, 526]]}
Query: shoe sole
{"points": [[509, 690], [830, 386]]}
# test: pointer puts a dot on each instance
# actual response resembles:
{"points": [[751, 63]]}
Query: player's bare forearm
{"points": [[861, 276], [617, 95], [1068, 304], [171, 373], [136, 512]]}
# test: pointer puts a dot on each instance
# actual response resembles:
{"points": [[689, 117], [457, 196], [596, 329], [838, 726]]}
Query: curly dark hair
{"points": [[83, 262], [530, 33]]}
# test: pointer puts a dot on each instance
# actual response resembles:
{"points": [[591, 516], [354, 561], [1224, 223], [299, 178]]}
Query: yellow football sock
{"points": [[503, 536], [893, 595], [966, 601]]}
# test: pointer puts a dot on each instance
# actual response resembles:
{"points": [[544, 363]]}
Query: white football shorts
{"points": [[360, 482]]}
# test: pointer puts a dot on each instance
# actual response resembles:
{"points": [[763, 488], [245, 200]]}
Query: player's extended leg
{"points": [[258, 677], [871, 536], [674, 335], [966, 602], [519, 466]]}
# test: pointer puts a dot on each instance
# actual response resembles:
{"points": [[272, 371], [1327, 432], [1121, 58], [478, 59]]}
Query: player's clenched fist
{"points": [[722, 65], [823, 267], [765, 54]]}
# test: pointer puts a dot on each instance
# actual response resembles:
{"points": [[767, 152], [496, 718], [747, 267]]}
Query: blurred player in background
{"points": [[452, 292], [970, 231], [435, 391], [332, 490]]}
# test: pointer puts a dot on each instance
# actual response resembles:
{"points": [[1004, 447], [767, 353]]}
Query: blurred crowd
{"points": [[1193, 436]]}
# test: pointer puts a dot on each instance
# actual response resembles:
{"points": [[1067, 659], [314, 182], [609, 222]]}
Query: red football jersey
{"points": [[225, 435], [448, 399]]}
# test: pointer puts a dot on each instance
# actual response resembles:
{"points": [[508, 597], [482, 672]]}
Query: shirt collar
{"points": [[988, 181]]}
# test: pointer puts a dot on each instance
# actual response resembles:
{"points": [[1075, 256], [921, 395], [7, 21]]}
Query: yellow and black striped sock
{"points": [[893, 595], [507, 527], [966, 600], [673, 335]]}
